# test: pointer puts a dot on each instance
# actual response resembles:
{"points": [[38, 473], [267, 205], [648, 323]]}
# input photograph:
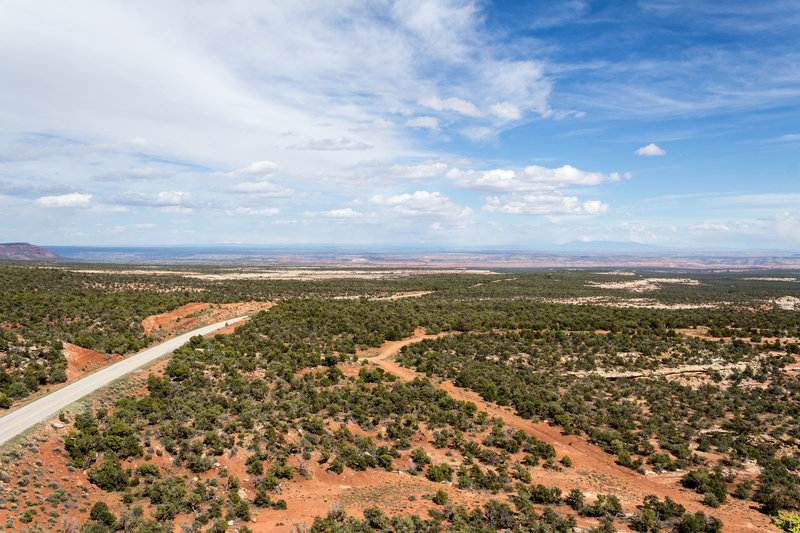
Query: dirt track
{"points": [[593, 470]]}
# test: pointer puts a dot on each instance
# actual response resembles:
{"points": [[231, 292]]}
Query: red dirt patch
{"points": [[81, 361], [156, 321], [198, 314]]}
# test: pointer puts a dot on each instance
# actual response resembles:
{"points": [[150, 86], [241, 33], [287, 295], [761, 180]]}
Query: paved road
{"points": [[23, 418]]}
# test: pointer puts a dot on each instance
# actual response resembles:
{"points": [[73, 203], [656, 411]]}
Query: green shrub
{"points": [[110, 476], [788, 522]]}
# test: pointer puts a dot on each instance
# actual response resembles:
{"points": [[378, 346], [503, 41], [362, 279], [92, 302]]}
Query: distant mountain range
{"points": [[23, 251]]}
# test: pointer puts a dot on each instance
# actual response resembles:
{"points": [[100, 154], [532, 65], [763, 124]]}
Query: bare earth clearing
{"points": [[643, 303], [643, 285]]}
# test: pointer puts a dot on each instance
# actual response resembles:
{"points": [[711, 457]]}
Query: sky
{"points": [[451, 124]]}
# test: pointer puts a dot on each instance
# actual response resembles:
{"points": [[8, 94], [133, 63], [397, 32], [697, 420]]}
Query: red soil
{"points": [[593, 470], [179, 320], [156, 321], [82, 361]]}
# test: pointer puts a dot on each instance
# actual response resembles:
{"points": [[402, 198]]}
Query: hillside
{"points": [[23, 251]]}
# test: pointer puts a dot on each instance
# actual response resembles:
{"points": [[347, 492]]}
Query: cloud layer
{"points": [[439, 121]]}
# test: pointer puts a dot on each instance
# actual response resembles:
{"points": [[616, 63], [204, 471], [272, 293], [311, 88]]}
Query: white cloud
{"points": [[506, 110], [260, 188], [422, 203], [342, 213], [146, 225], [787, 225], [172, 197], [709, 227], [163, 198], [419, 171], [553, 203], [651, 150], [65, 200], [176, 209], [529, 179], [452, 104], [264, 212], [202, 93], [423, 122], [339, 143]]}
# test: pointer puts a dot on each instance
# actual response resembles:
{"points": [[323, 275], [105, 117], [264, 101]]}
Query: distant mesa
{"points": [[23, 251]]}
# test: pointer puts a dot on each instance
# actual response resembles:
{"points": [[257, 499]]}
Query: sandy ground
{"points": [[673, 371], [788, 303], [642, 303], [643, 285]]}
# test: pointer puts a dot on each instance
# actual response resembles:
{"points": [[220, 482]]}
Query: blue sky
{"points": [[439, 123]]}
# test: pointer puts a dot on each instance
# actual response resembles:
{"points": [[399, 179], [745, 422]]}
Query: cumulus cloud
{"points": [[422, 203], [423, 122], [74, 199], [452, 104], [419, 171], [342, 213], [173, 198], [329, 144], [553, 203], [651, 150], [531, 178], [163, 198]]}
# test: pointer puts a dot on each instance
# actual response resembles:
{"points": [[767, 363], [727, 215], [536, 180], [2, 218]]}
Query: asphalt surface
{"points": [[40, 410]]}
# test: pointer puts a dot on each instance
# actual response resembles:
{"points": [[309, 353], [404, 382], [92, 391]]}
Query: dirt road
{"points": [[594, 471]]}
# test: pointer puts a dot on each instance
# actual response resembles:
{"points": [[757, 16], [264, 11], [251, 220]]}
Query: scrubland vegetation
{"points": [[710, 393]]}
